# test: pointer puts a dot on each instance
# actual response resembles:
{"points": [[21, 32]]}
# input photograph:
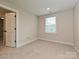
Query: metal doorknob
{"points": [[5, 31]]}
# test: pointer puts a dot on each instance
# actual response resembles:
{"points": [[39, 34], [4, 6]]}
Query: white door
{"points": [[10, 30]]}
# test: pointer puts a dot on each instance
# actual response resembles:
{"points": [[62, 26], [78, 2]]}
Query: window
{"points": [[50, 25]]}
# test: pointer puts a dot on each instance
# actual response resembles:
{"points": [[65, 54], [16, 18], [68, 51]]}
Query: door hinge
{"points": [[15, 16], [15, 41], [15, 28]]}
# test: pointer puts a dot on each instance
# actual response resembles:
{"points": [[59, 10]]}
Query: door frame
{"points": [[16, 21]]}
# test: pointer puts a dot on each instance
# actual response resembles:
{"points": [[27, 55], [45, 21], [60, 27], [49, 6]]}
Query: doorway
{"points": [[1, 31], [7, 28]]}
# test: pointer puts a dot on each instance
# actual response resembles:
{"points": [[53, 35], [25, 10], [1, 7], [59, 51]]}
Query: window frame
{"points": [[45, 25]]}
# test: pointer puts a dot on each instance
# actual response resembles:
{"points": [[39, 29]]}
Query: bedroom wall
{"points": [[76, 27], [64, 32]]}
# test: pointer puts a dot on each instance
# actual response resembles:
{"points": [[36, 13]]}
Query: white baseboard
{"points": [[77, 50], [66, 43], [20, 45]]}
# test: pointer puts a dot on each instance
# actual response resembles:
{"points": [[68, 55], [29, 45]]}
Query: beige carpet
{"points": [[39, 50]]}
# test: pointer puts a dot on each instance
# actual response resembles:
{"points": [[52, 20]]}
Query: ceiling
{"points": [[38, 7]]}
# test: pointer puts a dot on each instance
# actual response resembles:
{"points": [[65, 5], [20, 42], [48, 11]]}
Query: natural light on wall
{"points": [[50, 25]]}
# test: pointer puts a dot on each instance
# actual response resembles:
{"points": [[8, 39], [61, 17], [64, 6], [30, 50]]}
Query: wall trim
{"points": [[77, 50], [66, 43], [25, 43]]}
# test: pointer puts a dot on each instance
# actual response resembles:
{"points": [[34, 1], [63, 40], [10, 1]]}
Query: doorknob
{"points": [[5, 31]]}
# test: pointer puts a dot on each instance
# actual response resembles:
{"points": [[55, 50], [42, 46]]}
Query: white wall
{"points": [[64, 28], [76, 28], [26, 25]]}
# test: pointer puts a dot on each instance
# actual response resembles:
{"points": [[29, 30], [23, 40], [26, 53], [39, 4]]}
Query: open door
{"points": [[10, 30]]}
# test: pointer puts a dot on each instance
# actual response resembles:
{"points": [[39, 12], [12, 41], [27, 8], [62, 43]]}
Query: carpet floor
{"points": [[39, 49]]}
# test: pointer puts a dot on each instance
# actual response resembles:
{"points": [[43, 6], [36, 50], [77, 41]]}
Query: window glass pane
{"points": [[50, 25]]}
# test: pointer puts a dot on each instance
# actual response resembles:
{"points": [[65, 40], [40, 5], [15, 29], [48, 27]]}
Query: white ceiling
{"points": [[38, 7]]}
